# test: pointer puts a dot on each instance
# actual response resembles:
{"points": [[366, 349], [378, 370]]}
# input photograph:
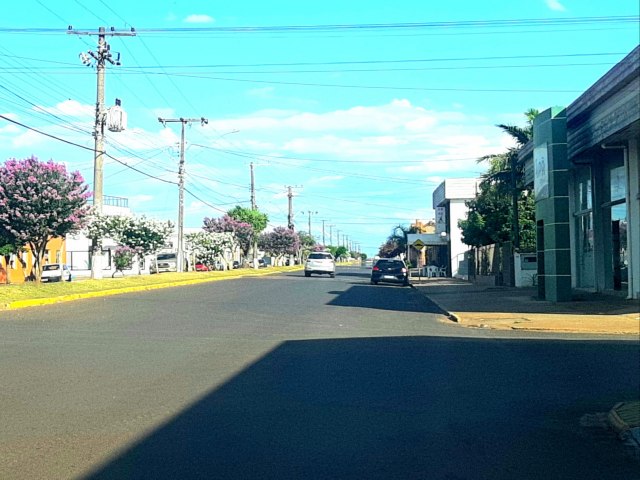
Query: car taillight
{"points": [[376, 269]]}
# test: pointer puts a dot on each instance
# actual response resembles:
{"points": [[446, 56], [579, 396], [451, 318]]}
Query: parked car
{"points": [[390, 270], [236, 264], [201, 267], [56, 272], [164, 262], [321, 263]]}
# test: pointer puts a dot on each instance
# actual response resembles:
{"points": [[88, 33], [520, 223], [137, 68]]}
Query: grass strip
{"points": [[29, 294]]}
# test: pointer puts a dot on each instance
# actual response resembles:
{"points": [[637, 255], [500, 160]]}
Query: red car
{"points": [[201, 267]]}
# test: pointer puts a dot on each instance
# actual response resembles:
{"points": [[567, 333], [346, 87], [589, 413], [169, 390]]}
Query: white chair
{"points": [[443, 271], [432, 271]]}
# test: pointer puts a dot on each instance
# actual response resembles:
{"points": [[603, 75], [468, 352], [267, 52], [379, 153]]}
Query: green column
{"points": [[551, 184]]}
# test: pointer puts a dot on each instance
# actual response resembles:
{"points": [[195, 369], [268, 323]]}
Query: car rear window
{"points": [[391, 263], [320, 256], [47, 268], [166, 256]]}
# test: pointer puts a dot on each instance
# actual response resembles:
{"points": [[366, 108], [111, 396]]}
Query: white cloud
{"points": [[555, 5], [198, 18], [29, 139], [71, 108], [266, 92]]}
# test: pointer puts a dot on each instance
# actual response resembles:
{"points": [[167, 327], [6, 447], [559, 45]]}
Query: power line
{"points": [[355, 27], [85, 148], [377, 62]]}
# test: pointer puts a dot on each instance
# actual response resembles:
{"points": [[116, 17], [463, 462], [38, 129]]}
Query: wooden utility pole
{"points": [[101, 57], [253, 189], [183, 121]]}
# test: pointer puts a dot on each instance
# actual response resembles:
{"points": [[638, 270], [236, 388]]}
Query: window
{"points": [[320, 256]]}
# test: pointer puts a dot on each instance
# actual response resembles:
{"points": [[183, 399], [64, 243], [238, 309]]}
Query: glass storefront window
{"points": [[618, 184], [583, 197], [585, 227]]}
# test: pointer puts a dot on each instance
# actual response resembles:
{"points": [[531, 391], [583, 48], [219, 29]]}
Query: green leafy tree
{"points": [[255, 218], [8, 246], [307, 244], [341, 252], [40, 201], [504, 209], [123, 259], [397, 242]]}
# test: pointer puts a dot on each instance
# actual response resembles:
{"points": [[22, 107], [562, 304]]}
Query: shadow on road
{"points": [[385, 297], [397, 407]]}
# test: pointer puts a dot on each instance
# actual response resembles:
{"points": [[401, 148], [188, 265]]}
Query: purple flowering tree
{"points": [[39, 201], [280, 242], [242, 231]]}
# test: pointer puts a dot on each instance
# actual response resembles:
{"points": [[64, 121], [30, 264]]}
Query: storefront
{"points": [[583, 162]]}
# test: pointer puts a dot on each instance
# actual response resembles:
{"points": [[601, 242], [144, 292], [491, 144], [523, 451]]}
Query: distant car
{"points": [[56, 272], [201, 267], [236, 264], [261, 263], [320, 263], [390, 270]]}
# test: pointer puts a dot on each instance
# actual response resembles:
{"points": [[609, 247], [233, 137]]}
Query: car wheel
{"points": [[374, 282], [307, 274], [332, 275]]}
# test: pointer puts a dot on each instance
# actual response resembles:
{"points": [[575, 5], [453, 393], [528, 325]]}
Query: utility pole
{"points": [[290, 216], [331, 234], [183, 121], [323, 243], [101, 57], [253, 189], [290, 197], [310, 212]]}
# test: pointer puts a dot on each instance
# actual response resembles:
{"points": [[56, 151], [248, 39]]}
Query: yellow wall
{"points": [[21, 264]]}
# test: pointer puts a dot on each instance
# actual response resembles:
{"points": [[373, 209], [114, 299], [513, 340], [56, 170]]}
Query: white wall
{"points": [[457, 211]]}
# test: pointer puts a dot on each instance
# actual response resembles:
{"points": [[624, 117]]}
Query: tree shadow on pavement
{"points": [[396, 407]]}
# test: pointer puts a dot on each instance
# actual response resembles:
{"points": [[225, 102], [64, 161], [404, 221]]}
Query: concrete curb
{"points": [[451, 316], [36, 302]]}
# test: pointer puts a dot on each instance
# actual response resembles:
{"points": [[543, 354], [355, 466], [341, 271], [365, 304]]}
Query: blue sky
{"points": [[364, 108]]}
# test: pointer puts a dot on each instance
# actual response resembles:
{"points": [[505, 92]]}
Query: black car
{"points": [[390, 270]]}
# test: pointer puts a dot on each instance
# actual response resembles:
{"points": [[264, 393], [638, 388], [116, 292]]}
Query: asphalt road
{"points": [[287, 377]]}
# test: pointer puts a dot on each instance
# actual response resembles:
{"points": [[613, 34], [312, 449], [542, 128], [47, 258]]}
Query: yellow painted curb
{"points": [[34, 302]]}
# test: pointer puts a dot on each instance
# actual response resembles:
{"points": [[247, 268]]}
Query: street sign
{"points": [[418, 244]]}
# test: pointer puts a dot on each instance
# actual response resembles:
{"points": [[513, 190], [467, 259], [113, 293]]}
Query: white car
{"points": [[56, 272], [320, 262]]}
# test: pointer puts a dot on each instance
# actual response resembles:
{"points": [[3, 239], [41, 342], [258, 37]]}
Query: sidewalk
{"points": [[510, 308]]}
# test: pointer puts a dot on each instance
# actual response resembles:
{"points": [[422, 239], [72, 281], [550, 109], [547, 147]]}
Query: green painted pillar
{"points": [[551, 185]]}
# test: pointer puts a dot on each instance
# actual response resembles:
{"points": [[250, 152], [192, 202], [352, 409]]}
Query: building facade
{"points": [[18, 268], [449, 202], [583, 163]]}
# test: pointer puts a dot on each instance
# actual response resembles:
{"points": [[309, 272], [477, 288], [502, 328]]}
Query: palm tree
{"points": [[504, 171]]}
